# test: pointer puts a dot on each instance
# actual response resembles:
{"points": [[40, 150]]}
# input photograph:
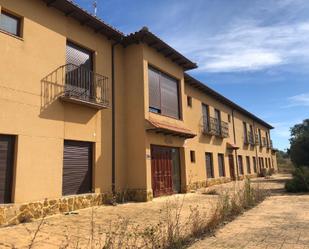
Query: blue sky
{"points": [[254, 52]]}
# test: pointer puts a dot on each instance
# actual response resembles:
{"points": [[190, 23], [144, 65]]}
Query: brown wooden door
{"points": [[232, 167], [6, 167], [77, 168], [162, 170]]}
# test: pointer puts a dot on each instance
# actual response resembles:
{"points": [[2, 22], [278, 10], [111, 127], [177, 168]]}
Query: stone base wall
{"points": [[13, 214], [207, 183], [138, 195]]}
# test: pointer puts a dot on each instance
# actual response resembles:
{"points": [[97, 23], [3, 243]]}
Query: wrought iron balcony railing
{"points": [[270, 145], [212, 126], [264, 143], [78, 85], [257, 140], [250, 138]]}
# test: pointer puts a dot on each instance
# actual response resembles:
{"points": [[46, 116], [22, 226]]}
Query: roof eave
{"points": [[145, 36], [199, 85], [70, 9]]}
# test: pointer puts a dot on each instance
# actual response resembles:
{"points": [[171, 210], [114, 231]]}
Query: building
{"points": [[87, 111]]}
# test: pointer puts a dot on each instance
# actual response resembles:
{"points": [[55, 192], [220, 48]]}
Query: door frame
{"points": [[179, 166]]}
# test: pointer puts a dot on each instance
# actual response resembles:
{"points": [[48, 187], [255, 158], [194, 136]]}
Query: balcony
{"points": [[78, 85], [264, 142], [249, 139], [211, 126], [257, 140], [270, 145]]}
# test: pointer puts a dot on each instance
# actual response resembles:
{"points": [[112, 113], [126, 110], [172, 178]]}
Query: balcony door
{"points": [[205, 111], [79, 75], [218, 121]]}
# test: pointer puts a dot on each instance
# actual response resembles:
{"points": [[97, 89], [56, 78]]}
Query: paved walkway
{"points": [[280, 222]]}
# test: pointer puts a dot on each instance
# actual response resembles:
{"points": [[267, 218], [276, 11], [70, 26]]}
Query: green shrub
{"points": [[300, 181]]}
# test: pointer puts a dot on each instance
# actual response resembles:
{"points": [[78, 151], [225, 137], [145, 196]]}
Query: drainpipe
{"points": [[113, 121], [236, 159]]}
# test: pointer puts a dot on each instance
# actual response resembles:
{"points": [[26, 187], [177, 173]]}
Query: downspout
{"points": [[113, 121], [236, 159]]}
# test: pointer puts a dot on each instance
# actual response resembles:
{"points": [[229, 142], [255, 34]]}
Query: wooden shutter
{"points": [[77, 168], [6, 167], [221, 165], [169, 96], [154, 89], [209, 165]]}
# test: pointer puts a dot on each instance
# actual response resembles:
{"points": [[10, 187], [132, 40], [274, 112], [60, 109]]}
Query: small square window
{"points": [[189, 101], [10, 23], [192, 156]]}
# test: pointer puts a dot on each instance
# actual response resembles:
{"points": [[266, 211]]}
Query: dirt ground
{"points": [[80, 226], [280, 222]]}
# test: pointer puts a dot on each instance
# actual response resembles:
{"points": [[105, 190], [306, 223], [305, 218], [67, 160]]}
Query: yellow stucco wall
{"points": [[41, 122]]}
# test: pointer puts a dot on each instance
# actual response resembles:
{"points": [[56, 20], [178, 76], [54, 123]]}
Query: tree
{"points": [[299, 150]]}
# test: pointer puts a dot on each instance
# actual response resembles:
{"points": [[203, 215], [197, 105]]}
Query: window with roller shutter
{"points": [[163, 94], [77, 168], [7, 144]]}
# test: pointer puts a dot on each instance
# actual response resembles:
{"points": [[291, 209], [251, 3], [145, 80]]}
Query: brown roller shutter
{"points": [[78, 56], [209, 165], [6, 167], [169, 96], [221, 165], [77, 168], [154, 89]]}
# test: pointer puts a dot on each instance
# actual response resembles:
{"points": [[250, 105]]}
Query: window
{"points": [[221, 165], [261, 162], [240, 165], [245, 132], [218, 121], [254, 165], [205, 110], [266, 163], [260, 137], [163, 94], [248, 165], [192, 156], [229, 118], [10, 23], [209, 165], [189, 101], [267, 139], [269, 163]]}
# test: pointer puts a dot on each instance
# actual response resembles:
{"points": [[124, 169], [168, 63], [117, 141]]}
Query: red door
{"points": [[162, 170]]}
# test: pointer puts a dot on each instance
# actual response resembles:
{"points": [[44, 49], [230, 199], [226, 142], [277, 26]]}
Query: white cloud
{"points": [[299, 100], [247, 46]]}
